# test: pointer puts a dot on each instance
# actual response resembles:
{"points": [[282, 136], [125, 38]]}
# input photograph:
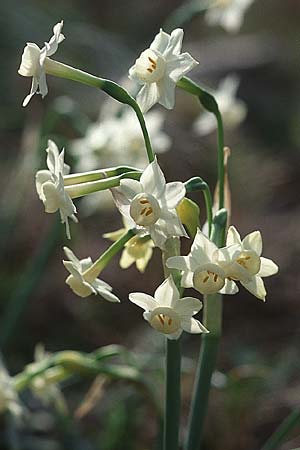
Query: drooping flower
{"points": [[200, 268], [229, 14], [107, 140], [159, 68], [151, 203], [233, 110], [33, 60], [50, 186], [242, 261], [167, 313], [83, 284], [138, 249]]}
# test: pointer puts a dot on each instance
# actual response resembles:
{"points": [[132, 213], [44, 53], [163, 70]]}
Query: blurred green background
{"points": [[257, 383]]}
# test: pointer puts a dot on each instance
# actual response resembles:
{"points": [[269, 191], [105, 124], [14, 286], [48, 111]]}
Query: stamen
{"points": [[150, 70], [150, 211], [215, 278], [170, 321], [152, 62], [161, 319], [144, 201], [206, 279], [143, 211]]}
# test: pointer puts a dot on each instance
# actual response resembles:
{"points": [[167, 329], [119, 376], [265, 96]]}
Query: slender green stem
{"points": [[172, 398], [198, 184], [209, 103], [116, 91], [82, 189], [95, 175], [283, 430], [173, 364], [103, 260]]}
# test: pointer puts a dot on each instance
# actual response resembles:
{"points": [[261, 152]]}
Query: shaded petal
{"points": [[166, 294], [107, 295], [148, 96], [33, 90], [126, 259], [52, 198], [69, 254], [174, 193], [193, 326], [256, 286], [253, 241], [41, 177], [80, 287], [158, 236], [180, 66], [229, 288], [267, 267], [43, 88], [153, 180], [72, 268], [141, 263], [166, 92], [187, 279], [188, 306], [52, 157], [175, 43], [179, 262], [202, 249], [233, 236], [160, 42], [57, 37], [130, 188], [174, 336], [144, 301]]}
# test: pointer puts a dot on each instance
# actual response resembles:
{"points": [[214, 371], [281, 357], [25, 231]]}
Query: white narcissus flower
{"points": [[200, 268], [151, 203], [50, 186], [232, 109], [83, 285], [106, 141], [167, 313], [138, 249], [242, 261], [159, 68], [228, 13], [33, 60]]}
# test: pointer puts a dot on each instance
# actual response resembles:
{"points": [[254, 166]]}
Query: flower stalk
{"points": [[95, 175], [111, 88]]}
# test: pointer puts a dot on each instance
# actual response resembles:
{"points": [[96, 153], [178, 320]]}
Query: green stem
{"points": [[172, 397], [209, 103], [116, 91], [283, 430], [82, 189], [198, 184], [94, 271], [95, 175], [173, 363]]}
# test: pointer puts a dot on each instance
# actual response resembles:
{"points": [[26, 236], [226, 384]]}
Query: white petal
{"points": [[253, 241], [160, 42], [233, 236], [152, 180], [43, 88], [41, 177], [187, 279], [52, 157], [130, 188], [166, 92], [85, 263], [33, 90], [175, 43], [147, 96], [202, 249], [228, 253], [180, 66], [107, 295], [52, 200], [174, 193], [144, 301], [158, 236], [166, 294], [72, 268], [69, 254], [256, 286], [229, 288], [126, 259], [80, 287], [193, 326], [188, 306], [57, 37], [267, 267]]}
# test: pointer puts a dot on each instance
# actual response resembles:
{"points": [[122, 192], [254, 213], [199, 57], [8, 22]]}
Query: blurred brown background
{"points": [[258, 381]]}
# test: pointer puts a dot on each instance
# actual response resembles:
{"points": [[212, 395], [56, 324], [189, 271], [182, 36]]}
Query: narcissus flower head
{"points": [[159, 68], [229, 14], [242, 261], [81, 283], [167, 313], [33, 62], [151, 204], [50, 186]]}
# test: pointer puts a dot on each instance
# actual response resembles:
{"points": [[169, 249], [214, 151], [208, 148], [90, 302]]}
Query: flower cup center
{"points": [[150, 66], [209, 279], [165, 320], [250, 261], [144, 210]]}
